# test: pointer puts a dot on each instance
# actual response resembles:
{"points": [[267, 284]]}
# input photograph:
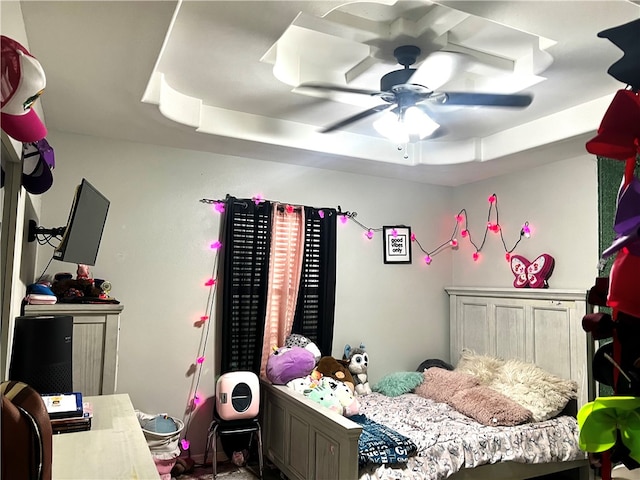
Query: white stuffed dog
{"points": [[358, 365]]}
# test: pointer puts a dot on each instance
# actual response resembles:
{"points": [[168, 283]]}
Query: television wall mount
{"points": [[35, 230]]}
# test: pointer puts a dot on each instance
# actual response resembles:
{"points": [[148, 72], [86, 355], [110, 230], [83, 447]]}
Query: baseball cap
{"points": [[37, 162], [22, 81]]}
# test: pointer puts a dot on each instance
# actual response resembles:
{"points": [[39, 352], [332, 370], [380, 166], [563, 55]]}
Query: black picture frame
{"points": [[396, 243]]}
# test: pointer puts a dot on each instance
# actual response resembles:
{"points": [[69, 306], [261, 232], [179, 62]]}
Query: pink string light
{"points": [[216, 245], [200, 360], [460, 228], [209, 283]]}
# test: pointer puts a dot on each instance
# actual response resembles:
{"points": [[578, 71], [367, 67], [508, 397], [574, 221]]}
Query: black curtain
{"points": [[244, 282], [245, 252], [315, 307]]}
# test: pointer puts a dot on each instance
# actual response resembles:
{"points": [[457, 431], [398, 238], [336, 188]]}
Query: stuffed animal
{"points": [[69, 288], [358, 362], [302, 384], [83, 272], [285, 364], [330, 367], [349, 402], [297, 340], [325, 397]]}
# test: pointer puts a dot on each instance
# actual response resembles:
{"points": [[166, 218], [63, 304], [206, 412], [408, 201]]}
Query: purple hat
{"points": [[37, 163], [627, 221]]}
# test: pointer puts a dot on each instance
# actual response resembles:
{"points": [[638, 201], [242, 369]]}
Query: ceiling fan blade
{"points": [[440, 67], [339, 88], [482, 99], [356, 117]]}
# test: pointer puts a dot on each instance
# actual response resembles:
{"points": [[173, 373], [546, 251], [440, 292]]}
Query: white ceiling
{"points": [[200, 75]]}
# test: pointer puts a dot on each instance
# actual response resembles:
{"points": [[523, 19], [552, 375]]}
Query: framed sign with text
{"points": [[397, 244]]}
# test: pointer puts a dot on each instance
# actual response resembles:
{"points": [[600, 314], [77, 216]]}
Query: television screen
{"points": [[84, 228]]}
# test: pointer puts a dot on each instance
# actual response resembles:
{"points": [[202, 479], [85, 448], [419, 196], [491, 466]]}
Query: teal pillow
{"points": [[398, 383]]}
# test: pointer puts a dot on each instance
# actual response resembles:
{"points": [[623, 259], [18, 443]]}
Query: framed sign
{"points": [[397, 244]]}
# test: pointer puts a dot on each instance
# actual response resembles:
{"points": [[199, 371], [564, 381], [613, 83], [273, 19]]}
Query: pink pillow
{"points": [[489, 407], [440, 384]]}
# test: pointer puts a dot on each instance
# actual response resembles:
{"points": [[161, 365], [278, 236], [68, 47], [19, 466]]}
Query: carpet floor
{"points": [[229, 471]]}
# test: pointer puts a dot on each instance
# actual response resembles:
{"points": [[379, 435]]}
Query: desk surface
{"points": [[114, 448]]}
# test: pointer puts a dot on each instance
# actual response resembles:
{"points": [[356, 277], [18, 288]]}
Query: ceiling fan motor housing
{"points": [[406, 55], [397, 77]]}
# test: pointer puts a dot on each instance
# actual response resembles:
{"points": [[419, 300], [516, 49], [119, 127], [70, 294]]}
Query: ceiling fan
{"points": [[401, 96]]}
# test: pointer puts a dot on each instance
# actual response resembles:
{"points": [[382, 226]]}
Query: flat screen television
{"points": [[83, 233]]}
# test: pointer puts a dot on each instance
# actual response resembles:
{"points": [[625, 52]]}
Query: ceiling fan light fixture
{"points": [[418, 123], [390, 126], [414, 125]]}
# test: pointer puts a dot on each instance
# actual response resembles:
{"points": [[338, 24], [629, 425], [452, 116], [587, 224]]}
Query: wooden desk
{"points": [[114, 448]]}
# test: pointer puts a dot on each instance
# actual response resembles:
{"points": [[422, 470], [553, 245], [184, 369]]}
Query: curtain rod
{"points": [[256, 200]]}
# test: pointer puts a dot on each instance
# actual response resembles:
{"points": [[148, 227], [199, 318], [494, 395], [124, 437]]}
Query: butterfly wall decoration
{"points": [[532, 274]]}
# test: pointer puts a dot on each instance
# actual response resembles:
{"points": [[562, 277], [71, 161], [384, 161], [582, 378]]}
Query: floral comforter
{"points": [[449, 441]]}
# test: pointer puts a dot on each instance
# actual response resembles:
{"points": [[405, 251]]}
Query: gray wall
{"points": [[155, 252], [559, 200]]}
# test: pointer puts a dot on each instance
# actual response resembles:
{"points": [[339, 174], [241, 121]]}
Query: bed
{"points": [[306, 441]]}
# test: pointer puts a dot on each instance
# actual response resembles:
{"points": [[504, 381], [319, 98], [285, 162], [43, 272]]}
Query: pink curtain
{"points": [[285, 266]]}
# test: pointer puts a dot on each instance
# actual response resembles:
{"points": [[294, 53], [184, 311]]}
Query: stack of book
{"points": [[68, 413], [74, 424]]}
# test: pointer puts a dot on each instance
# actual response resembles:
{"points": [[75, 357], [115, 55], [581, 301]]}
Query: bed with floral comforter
{"points": [[449, 441]]}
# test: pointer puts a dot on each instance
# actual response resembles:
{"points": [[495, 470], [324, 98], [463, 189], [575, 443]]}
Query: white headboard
{"points": [[541, 326]]}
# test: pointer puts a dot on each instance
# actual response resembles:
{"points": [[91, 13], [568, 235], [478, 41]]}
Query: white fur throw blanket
{"points": [[544, 394]]}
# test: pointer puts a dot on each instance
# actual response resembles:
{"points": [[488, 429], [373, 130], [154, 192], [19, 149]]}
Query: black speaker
{"points": [[42, 353]]}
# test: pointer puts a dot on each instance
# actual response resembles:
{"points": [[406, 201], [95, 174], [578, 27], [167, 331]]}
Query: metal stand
{"points": [[219, 427]]}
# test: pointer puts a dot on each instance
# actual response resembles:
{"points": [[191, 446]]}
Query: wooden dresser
{"points": [[96, 330]]}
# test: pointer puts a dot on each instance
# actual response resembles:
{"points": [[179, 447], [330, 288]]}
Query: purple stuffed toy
{"points": [[286, 364]]}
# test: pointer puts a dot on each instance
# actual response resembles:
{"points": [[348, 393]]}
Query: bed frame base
{"points": [[305, 440], [576, 470]]}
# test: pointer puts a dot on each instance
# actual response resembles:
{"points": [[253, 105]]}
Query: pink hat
{"points": [[22, 81]]}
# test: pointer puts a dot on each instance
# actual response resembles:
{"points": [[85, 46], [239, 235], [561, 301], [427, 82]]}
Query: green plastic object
{"points": [[600, 420]]}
